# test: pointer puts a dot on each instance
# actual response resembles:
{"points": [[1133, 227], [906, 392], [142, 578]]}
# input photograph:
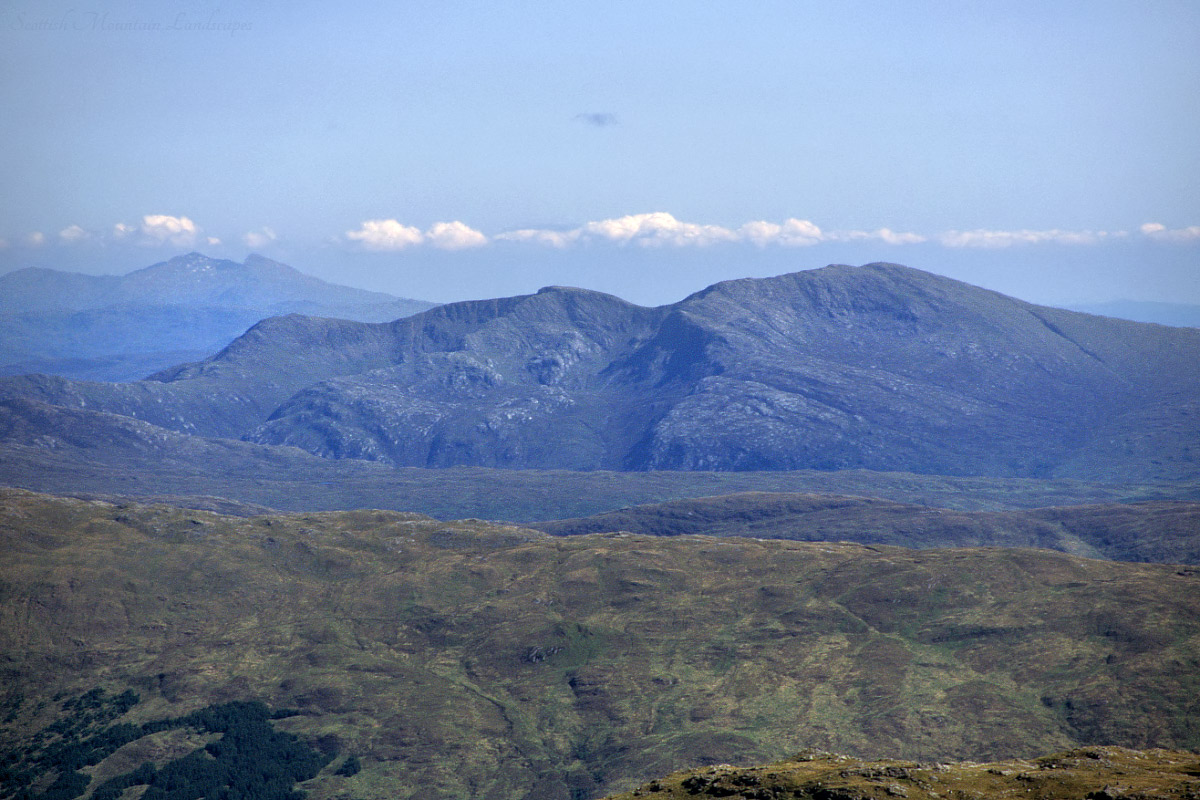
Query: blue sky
{"points": [[448, 150]]}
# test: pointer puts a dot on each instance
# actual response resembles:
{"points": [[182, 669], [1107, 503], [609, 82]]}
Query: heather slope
{"points": [[467, 659], [1160, 531]]}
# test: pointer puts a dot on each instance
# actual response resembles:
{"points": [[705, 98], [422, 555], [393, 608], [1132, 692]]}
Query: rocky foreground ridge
{"points": [[1092, 773]]}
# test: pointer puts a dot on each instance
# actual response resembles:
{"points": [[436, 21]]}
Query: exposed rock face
{"points": [[879, 367]]}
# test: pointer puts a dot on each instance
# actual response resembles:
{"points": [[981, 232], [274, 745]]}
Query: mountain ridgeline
{"points": [[110, 327], [879, 367]]}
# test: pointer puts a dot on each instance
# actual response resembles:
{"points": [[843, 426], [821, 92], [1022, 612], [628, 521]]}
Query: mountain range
{"points": [[879, 367], [788, 514], [109, 327]]}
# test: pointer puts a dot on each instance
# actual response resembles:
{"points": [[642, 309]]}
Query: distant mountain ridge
{"points": [[107, 327], [192, 278], [878, 367]]}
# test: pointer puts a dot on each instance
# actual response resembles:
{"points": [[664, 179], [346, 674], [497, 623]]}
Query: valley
{"points": [[554, 545]]}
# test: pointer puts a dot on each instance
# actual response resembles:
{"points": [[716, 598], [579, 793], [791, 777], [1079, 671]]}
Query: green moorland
{"points": [[1166, 532], [465, 659]]}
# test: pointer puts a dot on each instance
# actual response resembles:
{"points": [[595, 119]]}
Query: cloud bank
{"points": [[390, 235], [652, 229], [994, 239], [662, 229], [1160, 232]]}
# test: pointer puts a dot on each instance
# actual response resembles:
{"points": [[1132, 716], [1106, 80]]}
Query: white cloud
{"points": [[385, 234], [72, 234], [121, 230], [35, 239], [657, 228], [661, 228], [258, 239], [1160, 232], [888, 236], [792, 233], [213, 241], [885, 235], [552, 238], [391, 235], [165, 229], [996, 239], [652, 229], [454, 236]]}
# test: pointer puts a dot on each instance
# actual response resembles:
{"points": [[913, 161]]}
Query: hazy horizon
{"points": [[464, 150]]}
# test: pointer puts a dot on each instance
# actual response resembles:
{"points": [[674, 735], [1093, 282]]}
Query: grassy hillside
{"points": [[1167, 532], [1096, 773], [467, 659]]}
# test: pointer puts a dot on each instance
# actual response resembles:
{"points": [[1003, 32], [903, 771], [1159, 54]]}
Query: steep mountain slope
{"points": [[883, 366], [879, 367], [88, 453], [1167, 532], [472, 660], [126, 327]]}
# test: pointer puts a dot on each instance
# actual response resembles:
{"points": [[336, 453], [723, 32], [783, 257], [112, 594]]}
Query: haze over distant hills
{"points": [[879, 367], [109, 327], [1177, 314]]}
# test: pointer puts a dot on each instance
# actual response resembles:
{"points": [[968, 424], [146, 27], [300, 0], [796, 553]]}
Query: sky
{"points": [[450, 150]]}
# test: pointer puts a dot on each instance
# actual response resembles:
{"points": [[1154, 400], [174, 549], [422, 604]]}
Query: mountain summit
{"points": [[878, 367], [122, 327]]}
